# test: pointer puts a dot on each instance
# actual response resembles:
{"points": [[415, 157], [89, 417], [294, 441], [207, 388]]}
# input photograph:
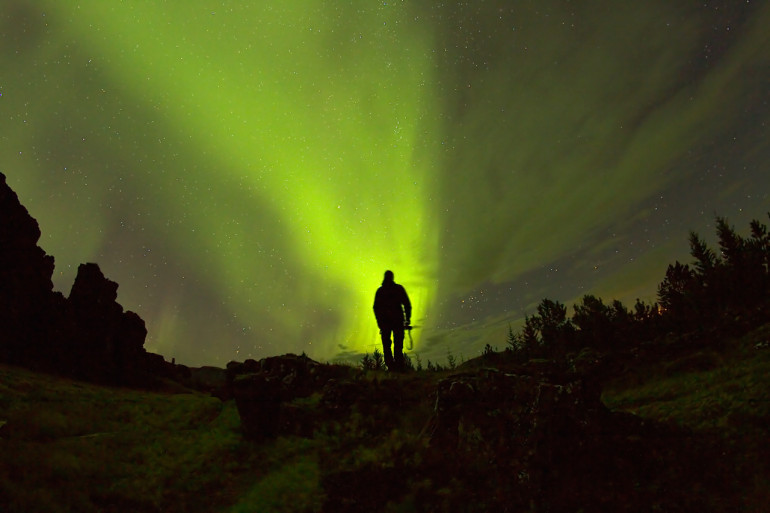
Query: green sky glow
{"points": [[246, 171], [319, 121]]}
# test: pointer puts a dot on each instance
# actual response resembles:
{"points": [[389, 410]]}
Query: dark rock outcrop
{"points": [[264, 389], [27, 302], [209, 379], [110, 341], [517, 441], [482, 440], [87, 335], [499, 441], [532, 431]]}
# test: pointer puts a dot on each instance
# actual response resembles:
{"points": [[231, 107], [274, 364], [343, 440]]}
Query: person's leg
{"points": [[398, 347], [385, 334]]}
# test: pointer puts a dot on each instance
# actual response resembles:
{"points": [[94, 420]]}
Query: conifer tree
{"points": [[554, 326], [675, 293], [592, 320], [705, 260]]}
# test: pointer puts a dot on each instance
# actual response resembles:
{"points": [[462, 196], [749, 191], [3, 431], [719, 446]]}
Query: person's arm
{"points": [[407, 306], [377, 308]]}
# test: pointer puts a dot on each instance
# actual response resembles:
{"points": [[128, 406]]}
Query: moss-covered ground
{"points": [[720, 390]]}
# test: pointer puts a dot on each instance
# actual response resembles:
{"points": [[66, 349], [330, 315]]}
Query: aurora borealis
{"points": [[247, 172]]}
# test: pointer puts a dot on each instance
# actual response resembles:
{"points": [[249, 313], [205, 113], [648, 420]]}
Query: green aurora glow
{"points": [[247, 172]]}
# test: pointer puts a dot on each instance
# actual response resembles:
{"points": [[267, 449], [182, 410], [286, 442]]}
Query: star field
{"points": [[247, 172]]}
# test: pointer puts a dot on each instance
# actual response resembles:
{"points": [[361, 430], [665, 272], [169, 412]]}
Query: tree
{"points": [[676, 292], [646, 320], [592, 319], [705, 260], [760, 244], [599, 325], [730, 243], [759, 254], [555, 329], [643, 311], [419, 362], [529, 334], [450, 358], [512, 339], [526, 343], [744, 276], [620, 315]]}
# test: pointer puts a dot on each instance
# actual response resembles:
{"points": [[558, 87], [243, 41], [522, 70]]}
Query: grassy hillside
{"points": [[720, 392], [707, 389], [69, 446]]}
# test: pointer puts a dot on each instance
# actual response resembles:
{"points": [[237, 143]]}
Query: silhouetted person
{"points": [[393, 311]]}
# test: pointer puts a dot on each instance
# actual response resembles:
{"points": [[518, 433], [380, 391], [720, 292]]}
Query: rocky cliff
{"points": [[87, 335]]}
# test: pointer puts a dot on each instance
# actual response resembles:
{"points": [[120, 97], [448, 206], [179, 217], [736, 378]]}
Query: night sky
{"points": [[246, 171]]}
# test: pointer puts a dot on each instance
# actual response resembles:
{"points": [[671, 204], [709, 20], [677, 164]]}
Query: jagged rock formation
{"points": [[87, 335], [27, 303], [109, 341]]}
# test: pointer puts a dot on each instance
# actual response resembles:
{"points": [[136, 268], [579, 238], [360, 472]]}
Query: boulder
{"points": [[534, 441], [264, 389], [489, 410]]}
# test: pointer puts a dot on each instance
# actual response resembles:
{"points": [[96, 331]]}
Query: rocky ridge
{"points": [[86, 335]]}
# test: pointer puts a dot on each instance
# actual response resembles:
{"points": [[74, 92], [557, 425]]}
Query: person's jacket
{"points": [[391, 305]]}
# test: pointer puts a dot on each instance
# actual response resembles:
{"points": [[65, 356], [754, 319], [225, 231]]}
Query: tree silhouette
{"points": [[675, 293], [529, 334], [706, 261], [715, 289], [528, 342], [647, 321], [758, 248], [744, 261], [592, 319], [512, 340], [760, 245], [555, 328]]}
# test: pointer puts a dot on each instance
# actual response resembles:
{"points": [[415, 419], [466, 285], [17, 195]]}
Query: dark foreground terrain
{"points": [[685, 430]]}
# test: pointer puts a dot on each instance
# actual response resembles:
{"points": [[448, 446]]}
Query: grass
{"points": [[720, 394], [293, 486], [67, 446], [708, 390]]}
